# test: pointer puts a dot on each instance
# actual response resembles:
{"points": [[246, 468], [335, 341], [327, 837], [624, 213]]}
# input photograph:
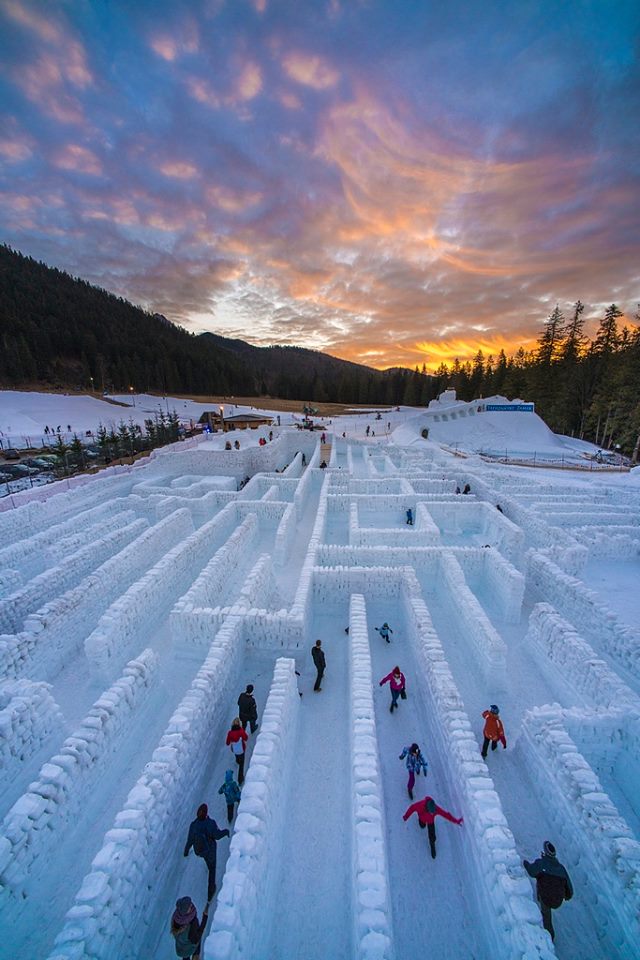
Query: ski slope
{"points": [[136, 606]]}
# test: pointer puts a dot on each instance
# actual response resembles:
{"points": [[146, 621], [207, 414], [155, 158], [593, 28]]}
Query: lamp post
{"points": [[92, 388], [222, 417], [133, 396]]}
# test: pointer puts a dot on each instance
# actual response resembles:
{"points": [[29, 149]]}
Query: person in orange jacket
{"points": [[493, 730], [427, 811]]}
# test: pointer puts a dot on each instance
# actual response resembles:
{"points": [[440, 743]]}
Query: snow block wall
{"points": [[259, 590], [137, 852], [29, 716], [489, 649], [34, 825], [576, 660], [498, 875], [373, 927], [593, 832], [618, 543], [246, 901], [504, 583], [285, 535], [583, 609]]}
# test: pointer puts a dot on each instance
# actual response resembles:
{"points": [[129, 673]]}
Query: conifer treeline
{"points": [[588, 388]]}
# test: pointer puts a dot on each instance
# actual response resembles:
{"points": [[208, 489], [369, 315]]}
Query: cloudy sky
{"points": [[393, 182]]}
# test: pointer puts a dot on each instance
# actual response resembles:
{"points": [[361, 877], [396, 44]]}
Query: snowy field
{"points": [[136, 605]]}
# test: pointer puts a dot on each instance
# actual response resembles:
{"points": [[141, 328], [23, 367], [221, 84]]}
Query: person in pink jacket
{"points": [[397, 683], [427, 811]]}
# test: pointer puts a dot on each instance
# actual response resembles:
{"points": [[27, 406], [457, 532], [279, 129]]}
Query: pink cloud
{"points": [[310, 70], [249, 83], [80, 159], [180, 169]]}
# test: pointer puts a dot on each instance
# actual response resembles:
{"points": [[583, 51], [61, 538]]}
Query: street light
{"points": [[133, 396]]}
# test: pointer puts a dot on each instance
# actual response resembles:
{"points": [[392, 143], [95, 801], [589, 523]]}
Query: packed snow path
{"points": [[134, 610]]}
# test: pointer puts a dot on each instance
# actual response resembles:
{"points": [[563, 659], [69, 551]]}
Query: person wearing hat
{"points": [[203, 836], [553, 884], [415, 762], [493, 730], [185, 928], [236, 741], [427, 811], [384, 631], [248, 709], [397, 684], [320, 662], [231, 792]]}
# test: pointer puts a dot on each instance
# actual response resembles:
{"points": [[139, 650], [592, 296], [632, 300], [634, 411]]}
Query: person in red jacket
{"points": [[236, 740], [427, 811], [398, 686], [493, 730]]}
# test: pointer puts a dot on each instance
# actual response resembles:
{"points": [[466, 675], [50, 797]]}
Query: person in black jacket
{"points": [[320, 662], [553, 884], [247, 709], [203, 836], [185, 928]]}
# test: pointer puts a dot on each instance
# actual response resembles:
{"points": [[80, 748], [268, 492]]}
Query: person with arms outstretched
{"points": [[427, 811]]}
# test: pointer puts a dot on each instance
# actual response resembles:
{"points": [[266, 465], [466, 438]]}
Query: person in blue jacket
{"points": [[410, 517], [203, 836], [415, 763], [384, 631], [231, 792]]}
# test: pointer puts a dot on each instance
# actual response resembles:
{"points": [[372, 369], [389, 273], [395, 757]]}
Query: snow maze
{"points": [[136, 606]]}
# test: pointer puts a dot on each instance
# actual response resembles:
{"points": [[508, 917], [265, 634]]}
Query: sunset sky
{"points": [[391, 182]]}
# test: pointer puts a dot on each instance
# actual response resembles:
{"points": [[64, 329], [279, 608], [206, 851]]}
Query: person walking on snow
{"points": [[320, 662], [231, 792], [427, 811], [415, 761], [236, 740], [247, 709], [203, 836], [493, 730], [185, 928], [553, 884], [410, 517], [384, 631], [323, 438], [397, 683]]}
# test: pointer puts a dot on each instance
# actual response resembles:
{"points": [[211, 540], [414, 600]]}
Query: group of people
{"points": [[204, 833], [236, 444]]}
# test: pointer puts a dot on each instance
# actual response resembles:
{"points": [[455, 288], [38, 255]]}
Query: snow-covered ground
{"points": [[137, 604]]}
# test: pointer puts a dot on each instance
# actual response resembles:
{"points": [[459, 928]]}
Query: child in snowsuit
{"points": [[427, 811], [203, 836], [185, 928], [236, 740], [410, 517], [493, 730], [384, 631], [397, 684], [231, 792], [415, 761], [553, 884]]}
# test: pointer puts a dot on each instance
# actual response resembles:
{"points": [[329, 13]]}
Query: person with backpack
{"points": [[493, 732], [415, 762], [203, 836], [247, 709], [397, 683], [427, 811], [384, 631], [236, 741], [320, 662], [553, 884], [231, 792], [185, 928]]}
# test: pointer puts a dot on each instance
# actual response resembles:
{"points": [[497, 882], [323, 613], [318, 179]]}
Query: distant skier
{"points": [[248, 709], [185, 928], [493, 730], [320, 662], [236, 740], [427, 811], [203, 836], [410, 517], [553, 884], [231, 792], [415, 762], [384, 631], [397, 684]]}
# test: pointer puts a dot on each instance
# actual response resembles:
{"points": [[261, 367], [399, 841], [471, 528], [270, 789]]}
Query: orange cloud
{"points": [[310, 70], [232, 201]]}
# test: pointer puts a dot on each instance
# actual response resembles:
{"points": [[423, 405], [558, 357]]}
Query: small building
{"points": [[246, 421]]}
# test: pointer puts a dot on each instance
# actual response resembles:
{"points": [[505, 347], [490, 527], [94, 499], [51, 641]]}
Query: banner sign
{"points": [[503, 407]]}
